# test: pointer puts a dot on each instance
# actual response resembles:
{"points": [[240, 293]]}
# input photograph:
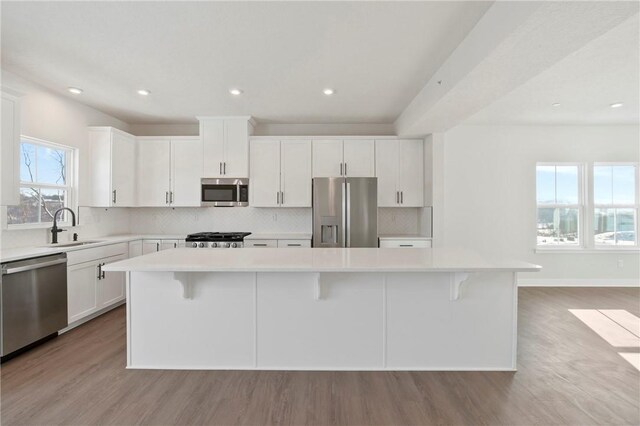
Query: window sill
{"points": [[576, 250], [17, 227]]}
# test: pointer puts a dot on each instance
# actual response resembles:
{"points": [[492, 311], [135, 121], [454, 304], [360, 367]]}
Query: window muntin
{"points": [[615, 204], [45, 182], [559, 204]]}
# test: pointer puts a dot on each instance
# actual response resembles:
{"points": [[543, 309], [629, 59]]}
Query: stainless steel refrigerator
{"points": [[345, 212]]}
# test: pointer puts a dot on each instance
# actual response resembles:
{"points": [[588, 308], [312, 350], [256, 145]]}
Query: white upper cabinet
{"points": [[226, 146], [280, 173], [112, 165], [10, 151], [400, 172], [327, 158], [349, 158], [186, 171], [154, 159], [359, 158], [169, 171], [295, 173]]}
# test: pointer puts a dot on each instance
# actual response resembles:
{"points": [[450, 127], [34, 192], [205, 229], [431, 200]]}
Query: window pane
{"points": [[545, 185], [604, 226], [558, 226], [615, 227], [567, 184], [602, 184], [52, 200], [28, 209], [27, 162], [51, 165], [624, 185]]}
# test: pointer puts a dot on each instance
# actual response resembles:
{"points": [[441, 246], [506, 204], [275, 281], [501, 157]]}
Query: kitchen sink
{"points": [[73, 244]]}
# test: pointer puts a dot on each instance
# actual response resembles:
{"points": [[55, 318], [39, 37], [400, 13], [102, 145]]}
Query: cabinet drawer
{"points": [[261, 243], [294, 243], [405, 243], [87, 255]]}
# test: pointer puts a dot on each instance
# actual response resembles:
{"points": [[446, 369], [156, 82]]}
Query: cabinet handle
{"points": [[99, 271], [397, 197], [102, 272], [114, 196], [170, 197], [282, 197], [345, 169], [277, 197], [401, 197], [224, 168], [166, 197], [157, 246], [341, 174], [294, 245], [259, 245], [221, 167], [406, 245]]}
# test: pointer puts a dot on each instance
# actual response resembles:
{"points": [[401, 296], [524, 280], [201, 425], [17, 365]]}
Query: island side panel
{"points": [[341, 330], [214, 328], [426, 330]]}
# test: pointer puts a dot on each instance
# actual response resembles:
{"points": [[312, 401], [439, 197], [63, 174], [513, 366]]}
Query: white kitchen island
{"points": [[321, 309]]}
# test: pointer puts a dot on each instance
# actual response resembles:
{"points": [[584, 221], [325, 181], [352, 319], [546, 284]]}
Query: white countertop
{"points": [[403, 237], [280, 236], [317, 260], [9, 255]]}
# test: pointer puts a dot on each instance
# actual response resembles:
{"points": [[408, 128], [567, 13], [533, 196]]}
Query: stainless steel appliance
{"points": [[345, 212], [216, 239], [34, 301], [224, 192]]}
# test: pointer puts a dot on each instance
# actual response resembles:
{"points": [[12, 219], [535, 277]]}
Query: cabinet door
{"points": [[82, 296], [150, 246], [359, 158], [186, 171], [411, 174], [123, 154], [327, 158], [111, 287], [265, 173], [10, 152], [154, 161], [168, 244], [295, 169], [236, 148], [135, 248], [387, 172], [212, 134]]}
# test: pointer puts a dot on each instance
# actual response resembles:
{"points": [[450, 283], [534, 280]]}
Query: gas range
{"points": [[216, 239]]}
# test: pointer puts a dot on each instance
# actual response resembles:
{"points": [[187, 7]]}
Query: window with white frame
{"points": [[46, 177], [559, 204], [615, 204]]}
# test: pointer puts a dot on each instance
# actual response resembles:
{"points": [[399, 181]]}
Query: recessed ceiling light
{"points": [[557, 104], [235, 92], [616, 105], [74, 90], [328, 92], [144, 92]]}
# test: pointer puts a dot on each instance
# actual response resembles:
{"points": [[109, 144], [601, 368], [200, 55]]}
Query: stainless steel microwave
{"points": [[224, 192]]}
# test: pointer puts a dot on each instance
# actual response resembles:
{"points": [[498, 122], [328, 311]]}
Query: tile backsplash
{"points": [[95, 222]]}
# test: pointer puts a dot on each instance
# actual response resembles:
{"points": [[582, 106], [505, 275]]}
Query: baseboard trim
{"points": [[92, 316], [578, 282]]}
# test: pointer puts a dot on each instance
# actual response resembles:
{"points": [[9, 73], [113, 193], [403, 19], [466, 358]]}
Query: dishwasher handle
{"points": [[8, 271]]}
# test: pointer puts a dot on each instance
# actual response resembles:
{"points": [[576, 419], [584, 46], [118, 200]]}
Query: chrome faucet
{"points": [[55, 230]]}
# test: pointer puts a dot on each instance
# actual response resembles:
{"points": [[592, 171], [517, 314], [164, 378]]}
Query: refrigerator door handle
{"points": [[348, 215], [344, 214]]}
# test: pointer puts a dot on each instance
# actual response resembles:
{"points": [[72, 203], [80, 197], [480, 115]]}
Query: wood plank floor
{"points": [[567, 375]]}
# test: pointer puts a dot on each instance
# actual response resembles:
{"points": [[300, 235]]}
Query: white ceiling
{"points": [[377, 55], [585, 83]]}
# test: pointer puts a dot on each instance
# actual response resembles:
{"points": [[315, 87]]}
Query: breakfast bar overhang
{"points": [[321, 309]]}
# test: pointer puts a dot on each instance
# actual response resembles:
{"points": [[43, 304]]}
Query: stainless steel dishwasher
{"points": [[33, 304]]}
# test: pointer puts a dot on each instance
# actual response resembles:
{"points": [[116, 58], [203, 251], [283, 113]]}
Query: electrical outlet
{"points": [[620, 263]]}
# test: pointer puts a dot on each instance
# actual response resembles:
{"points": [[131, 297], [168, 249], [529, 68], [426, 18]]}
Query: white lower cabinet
{"points": [[135, 248], [274, 243], [89, 288], [151, 246], [261, 243]]}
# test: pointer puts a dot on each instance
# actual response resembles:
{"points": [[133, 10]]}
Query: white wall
{"points": [[55, 118], [489, 194]]}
